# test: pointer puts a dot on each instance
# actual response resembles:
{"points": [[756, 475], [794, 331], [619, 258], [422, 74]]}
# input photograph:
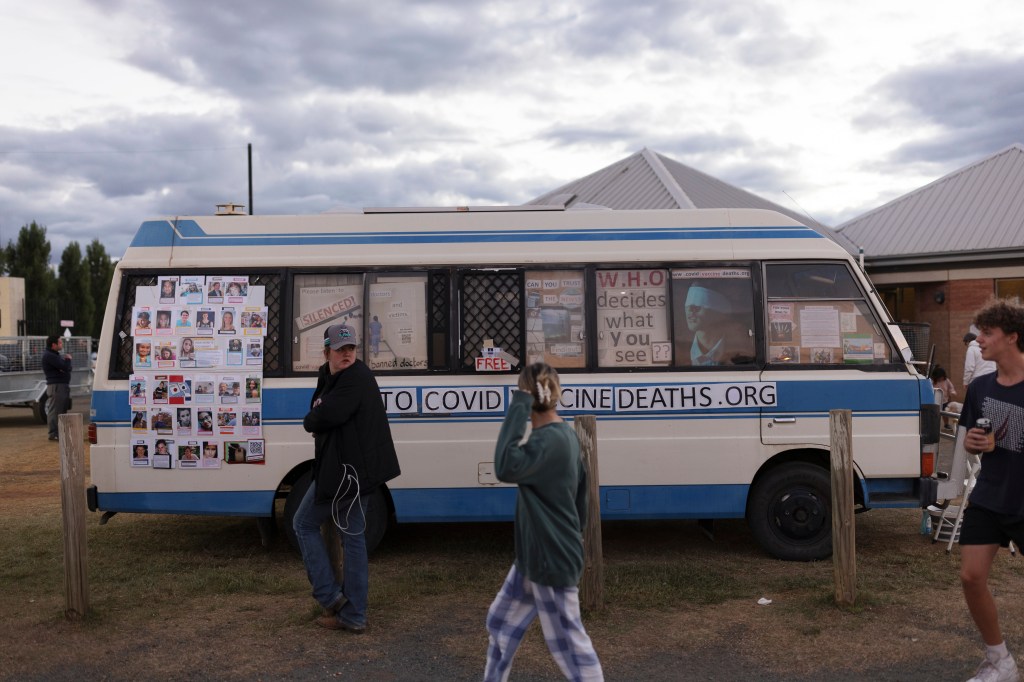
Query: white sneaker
{"points": [[1003, 670]]}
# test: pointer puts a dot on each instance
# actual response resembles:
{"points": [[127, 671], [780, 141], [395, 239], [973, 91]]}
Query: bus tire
{"points": [[377, 513], [790, 512]]}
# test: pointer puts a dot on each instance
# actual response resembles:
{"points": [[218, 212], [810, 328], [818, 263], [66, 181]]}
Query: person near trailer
{"points": [[551, 509], [994, 515], [57, 370], [353, 455]]}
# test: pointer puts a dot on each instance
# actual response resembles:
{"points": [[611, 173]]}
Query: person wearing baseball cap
{"points": [[354, 454]]}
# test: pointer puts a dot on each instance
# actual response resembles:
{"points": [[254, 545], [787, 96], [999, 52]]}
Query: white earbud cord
{"points": [[348, 480]]}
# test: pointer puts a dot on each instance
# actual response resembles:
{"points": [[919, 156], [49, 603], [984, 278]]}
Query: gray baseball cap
{"points": [[338, 335]]}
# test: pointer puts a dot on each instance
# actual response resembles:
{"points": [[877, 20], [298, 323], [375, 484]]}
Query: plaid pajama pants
{"points": [[519, 601]]}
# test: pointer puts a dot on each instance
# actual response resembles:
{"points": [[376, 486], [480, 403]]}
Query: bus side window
{"points": [[319, 301], [490, 311], [555, 318], [396, 326], [713, 316], [818, 315], [632, 318]]}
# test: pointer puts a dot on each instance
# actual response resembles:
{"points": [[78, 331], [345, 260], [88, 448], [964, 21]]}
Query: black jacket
{"points": [[350, 426], [56, 368]]}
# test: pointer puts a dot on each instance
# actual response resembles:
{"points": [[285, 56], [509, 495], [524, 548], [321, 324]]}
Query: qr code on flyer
{"points": [[255, 451]]}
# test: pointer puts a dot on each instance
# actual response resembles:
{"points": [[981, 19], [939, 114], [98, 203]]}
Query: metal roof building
{"points": [[648, 180], [973, 214]]}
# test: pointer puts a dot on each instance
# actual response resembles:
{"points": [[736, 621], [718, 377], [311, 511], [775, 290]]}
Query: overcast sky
{"points": [[115, 111]]}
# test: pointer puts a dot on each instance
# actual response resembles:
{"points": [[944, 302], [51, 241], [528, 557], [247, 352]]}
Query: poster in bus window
{"points": [[206, 320], [137, 389], [161, 451], [168, 290], [211, 455], [143, 316], [237, 289], [190, 289], [715, 316], [204, 421], [632, 316], [318, 308], [254, 352], [140, 452], [858, 349], [784, 354], [254, 321], [395, 330], [554, 317]]}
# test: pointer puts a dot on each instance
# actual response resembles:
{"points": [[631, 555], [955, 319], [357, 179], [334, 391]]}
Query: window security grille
{"points": [[491, 309]]}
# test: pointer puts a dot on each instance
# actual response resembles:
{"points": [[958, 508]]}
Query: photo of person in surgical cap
{"points": [[719, 319]]}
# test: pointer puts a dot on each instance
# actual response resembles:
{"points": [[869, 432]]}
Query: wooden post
{"points": [[592, 583], [72, 500], [844, 539]]}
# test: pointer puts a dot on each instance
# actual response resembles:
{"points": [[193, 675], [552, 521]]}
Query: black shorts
{"points": [[983, 527]]}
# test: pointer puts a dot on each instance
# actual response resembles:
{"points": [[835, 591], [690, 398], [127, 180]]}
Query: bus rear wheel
{"points": [[377, 513], [790, 512]]}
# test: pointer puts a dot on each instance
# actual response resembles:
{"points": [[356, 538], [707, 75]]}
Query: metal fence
{"points": [[25, 353]]}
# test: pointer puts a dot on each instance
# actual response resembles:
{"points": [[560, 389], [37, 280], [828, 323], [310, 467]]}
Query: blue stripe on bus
{"points": [[427, 505], [217, 503], [159, 233], [794, 397]]}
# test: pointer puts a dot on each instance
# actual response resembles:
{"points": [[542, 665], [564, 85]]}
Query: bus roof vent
{"points": [[230, 209]]}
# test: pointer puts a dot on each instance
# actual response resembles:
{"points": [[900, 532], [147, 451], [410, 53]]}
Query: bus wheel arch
{"points": [[789, 507], [380, 511]]}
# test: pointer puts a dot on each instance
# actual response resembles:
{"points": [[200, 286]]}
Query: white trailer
{"points": [[22, 382]]}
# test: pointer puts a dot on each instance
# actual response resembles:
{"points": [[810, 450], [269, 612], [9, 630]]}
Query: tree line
{"points": [[76, 291]]}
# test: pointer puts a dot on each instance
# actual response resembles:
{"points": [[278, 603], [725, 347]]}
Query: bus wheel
{"points": [[377, 513], [790, 512], [39, 408]]}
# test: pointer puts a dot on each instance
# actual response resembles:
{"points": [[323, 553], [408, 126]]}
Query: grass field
{"points": [[189, 597]]}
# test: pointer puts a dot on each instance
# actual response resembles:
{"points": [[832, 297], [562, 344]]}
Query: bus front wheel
{"points": [[377, 513], [790, 512]]}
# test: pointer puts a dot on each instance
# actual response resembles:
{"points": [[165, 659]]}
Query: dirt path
{"points": [[255, 634]]}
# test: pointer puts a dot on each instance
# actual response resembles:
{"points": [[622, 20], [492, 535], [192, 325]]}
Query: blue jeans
{"points": [[326, 590]]}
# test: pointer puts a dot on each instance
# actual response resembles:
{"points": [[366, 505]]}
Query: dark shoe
{"points": [[334, 608], [54, 438], [332, 623]]}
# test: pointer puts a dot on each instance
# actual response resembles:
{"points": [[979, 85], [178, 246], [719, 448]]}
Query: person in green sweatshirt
{"points": [[550, 516]]}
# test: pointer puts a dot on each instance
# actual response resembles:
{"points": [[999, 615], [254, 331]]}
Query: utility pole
{"points": [[250, 178]]}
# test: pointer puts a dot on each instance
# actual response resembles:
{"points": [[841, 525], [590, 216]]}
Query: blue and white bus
{"points": [[709, 344]]}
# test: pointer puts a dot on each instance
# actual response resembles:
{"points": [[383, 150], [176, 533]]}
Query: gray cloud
{"points": [[976, 99]]}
